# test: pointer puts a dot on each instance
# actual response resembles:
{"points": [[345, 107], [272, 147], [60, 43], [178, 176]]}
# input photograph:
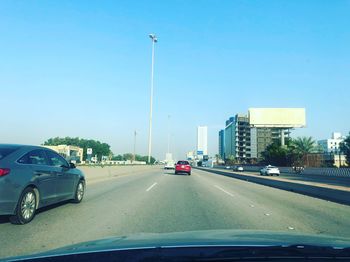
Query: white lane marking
{"points": [[267, 214], [252, 206], [148, 189], [223, 190], [291, 228]]}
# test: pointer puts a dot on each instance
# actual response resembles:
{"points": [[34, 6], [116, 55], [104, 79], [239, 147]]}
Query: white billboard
{"points": [[277, 117]]}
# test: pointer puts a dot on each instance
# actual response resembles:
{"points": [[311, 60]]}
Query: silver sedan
{"points": [[32, 177]]}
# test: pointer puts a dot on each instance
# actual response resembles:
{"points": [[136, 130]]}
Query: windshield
{"points": [[137, 117]]}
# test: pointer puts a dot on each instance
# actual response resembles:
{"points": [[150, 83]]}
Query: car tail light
{"points": [[4, 171]]}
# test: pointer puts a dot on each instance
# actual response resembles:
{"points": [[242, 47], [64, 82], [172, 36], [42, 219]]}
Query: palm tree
{"points": [[304, 145], [300, 147]]}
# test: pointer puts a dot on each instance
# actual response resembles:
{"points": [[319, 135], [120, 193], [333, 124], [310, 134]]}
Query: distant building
{"points": [[331, 145], [222, 144], [262, 137], [331, 149], [230, 140], [202, 141], [243, 150], [69, 152], [190, 155], [246, 143], [237, 138], [246, 136], [230, 120]]}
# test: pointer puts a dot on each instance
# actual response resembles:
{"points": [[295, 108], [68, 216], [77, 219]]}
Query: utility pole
{"points": [[134, 156], [168, 133], [154, 40]]}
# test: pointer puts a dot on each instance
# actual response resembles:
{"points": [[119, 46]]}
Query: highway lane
{"points": [[325, 179], [159, 201]]}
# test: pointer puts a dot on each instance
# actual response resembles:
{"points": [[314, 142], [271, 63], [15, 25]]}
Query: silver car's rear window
{"points": [[5, 151]]}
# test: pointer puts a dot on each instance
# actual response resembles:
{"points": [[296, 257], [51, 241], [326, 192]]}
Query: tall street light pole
{"points": [[134, 156], [168, 133], [154, 40]]}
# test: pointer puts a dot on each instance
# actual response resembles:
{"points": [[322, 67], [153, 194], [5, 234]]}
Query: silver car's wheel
{"points": [[79, 192], [26, 207]]}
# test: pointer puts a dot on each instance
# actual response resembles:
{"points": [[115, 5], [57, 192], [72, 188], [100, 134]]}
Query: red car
{"points": [[183, 167]]}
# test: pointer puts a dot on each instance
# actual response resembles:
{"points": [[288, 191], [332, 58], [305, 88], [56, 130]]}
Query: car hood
{"points": [[242, 238]]}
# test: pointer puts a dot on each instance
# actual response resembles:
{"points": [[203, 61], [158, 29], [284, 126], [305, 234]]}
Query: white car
{"points": [[169, 165], [269, 171], [238, 168]]}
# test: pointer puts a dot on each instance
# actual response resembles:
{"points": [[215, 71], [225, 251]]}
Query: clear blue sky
{"points": [[82, 68]]}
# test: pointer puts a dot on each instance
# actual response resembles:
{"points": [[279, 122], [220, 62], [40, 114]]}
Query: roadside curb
{"points": [[329, 194]]}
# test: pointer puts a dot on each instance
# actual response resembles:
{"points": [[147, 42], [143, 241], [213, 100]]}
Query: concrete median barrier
{"points": [[326, 192]]}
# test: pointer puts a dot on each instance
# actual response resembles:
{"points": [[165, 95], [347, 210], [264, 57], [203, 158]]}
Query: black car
{"points": [[32, 177], [211, 245]]}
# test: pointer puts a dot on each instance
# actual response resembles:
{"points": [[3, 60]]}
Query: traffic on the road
{"points": [[174, 130], [32, 177], [270, 171], [127, 204], [183, 167]]}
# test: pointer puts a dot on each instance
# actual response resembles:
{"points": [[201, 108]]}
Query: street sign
{"points": [[89, 151], [199, 152]]}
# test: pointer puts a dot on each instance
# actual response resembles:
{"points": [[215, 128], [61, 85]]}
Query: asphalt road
{"points": [[324, 179], [330, 180], [155, 200]]}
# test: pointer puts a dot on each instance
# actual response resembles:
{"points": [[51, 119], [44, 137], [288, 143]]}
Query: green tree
{"points": [[345, 148], [117, 158], [300, 147], [231, 160], [98, 148], [293, 154], [304, 145], [145, 159], [275, 154], [128, 156]]}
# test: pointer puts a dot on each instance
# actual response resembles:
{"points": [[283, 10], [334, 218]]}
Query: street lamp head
{"points": [[153, 37]]}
